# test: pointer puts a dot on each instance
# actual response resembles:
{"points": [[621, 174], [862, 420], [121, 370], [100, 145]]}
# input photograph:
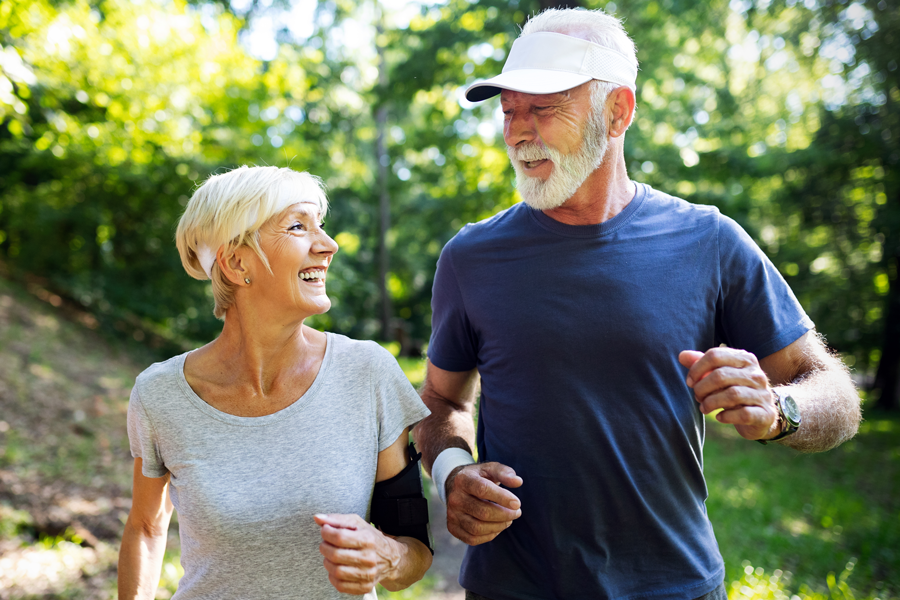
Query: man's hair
{"points": [[227, 212], [594, 26]]}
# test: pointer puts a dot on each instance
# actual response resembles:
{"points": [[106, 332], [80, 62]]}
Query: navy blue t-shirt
{"points": [[575, 331]]}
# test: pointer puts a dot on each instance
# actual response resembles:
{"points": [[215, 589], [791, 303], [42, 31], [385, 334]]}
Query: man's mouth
{"points": [[313, 276], [530, 164], [530, 156]]}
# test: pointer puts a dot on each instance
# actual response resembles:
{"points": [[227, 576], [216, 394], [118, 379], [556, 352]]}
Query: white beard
{"points": [[569, 170]]}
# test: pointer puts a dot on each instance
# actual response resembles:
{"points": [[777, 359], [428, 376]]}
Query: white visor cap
{"points": [[547, 63]]}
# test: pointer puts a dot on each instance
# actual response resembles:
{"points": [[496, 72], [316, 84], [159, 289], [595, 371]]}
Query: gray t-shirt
{"points": [[246, 488]]}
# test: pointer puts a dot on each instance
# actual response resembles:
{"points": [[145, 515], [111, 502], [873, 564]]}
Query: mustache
{"points": [[528, 153]]}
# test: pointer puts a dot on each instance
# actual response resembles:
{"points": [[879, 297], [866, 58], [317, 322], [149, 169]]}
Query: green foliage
{"points": [[414, 368], [172, 572], [417, 591], [781, 113], [756, 584], [13, 521]]}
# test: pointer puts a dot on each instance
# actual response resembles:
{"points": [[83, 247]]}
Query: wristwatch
{"points": [[788, 416]]}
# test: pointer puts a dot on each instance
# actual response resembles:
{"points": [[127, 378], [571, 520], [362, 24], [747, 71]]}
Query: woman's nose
{"points": [[325, 244]]}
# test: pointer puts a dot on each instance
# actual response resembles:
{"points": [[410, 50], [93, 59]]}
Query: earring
{"points": [[247, 280]]}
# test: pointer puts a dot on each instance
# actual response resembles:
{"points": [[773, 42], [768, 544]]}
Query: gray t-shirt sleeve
{"points": [[144, 443], [397, 403]]}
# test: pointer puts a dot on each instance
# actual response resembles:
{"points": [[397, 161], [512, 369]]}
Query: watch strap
{"points": [[787, 425]]}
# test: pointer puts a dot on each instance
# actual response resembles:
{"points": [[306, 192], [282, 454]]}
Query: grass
{"points": [[817, 523], [790, 526]]}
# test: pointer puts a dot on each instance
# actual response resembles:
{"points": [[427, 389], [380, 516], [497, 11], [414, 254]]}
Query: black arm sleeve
{"points": [[399, 506]]}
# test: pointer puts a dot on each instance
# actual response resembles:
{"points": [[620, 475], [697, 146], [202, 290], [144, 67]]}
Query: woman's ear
{"points": [[234, 264]]}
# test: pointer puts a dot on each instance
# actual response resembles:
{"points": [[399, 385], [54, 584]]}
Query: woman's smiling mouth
{"points": [[313, 276]]}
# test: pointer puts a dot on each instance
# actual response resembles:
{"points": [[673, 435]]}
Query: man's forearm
{"points": [[450, 396], [829, 406], [448, 426]]}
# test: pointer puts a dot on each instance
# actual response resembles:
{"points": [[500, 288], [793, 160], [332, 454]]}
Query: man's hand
{"points": [[357, 556], [732, 380], [478, 509]]}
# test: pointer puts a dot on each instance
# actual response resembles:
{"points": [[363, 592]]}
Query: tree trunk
{"points": [[887, 378], [384, 199]]}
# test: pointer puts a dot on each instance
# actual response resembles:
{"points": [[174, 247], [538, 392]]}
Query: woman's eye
{"points": [[296, 227]]}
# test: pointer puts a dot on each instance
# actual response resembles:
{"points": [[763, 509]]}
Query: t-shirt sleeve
{"points": [[757, 310], [397, 403], [144, 444], [453, 345]]}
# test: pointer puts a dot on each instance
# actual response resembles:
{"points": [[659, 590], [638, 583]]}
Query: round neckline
{"points": [[285, 412], [595, 230]]}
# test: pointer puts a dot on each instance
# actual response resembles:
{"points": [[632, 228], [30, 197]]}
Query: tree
{"points": [[734, 109], [865, 133], [107, 129], [781, 113]]}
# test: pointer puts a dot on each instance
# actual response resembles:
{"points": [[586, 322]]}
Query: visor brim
{"points": [[527, 81]]}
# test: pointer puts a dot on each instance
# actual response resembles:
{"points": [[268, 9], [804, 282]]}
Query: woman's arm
{"points": [[144, 539], [357, 556]]}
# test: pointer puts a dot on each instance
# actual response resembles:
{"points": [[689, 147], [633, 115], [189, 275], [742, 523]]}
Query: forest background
{"points": [[782, 113]]}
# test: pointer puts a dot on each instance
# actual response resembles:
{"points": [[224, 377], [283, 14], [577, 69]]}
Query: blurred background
{"points": [[783, 113]]}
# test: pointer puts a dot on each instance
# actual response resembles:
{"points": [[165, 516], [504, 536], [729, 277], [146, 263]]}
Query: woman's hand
{"points": [[357, 556]]}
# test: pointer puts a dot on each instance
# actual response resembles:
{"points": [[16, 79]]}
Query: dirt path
{"points": [[448, 553], [64, 460]]}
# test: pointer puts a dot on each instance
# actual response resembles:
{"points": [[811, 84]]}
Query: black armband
{"points": [[399, 506]]}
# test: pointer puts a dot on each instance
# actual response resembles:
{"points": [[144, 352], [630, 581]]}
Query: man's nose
{"points": [[518, 127]]}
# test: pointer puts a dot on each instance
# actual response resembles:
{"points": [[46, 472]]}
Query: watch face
{"points": [[791, 410]]}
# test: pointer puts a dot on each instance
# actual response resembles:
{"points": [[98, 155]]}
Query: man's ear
{"points": [[621, 110], [234, 264]]}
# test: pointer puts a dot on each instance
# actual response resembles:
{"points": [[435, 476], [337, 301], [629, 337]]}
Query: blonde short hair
{"points": [[227, 212]]}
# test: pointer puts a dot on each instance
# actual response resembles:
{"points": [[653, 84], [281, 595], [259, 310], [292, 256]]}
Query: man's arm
{"points": [[451, 397], [478, 509], [735, 381]]}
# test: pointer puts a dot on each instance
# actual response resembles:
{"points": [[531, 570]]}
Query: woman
{"points": [[269, 439]]}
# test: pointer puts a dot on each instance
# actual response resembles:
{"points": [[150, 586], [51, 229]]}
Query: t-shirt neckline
{"points": [[285, 412], [596, 230]]}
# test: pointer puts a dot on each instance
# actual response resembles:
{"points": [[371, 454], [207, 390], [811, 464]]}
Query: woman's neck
{"points": [[259, 352]]}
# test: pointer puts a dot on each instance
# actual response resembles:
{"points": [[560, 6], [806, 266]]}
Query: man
{"points": [[585, 312]]}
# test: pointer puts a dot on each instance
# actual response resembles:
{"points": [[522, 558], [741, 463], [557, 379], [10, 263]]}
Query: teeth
{"points": [[313, 275]]}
